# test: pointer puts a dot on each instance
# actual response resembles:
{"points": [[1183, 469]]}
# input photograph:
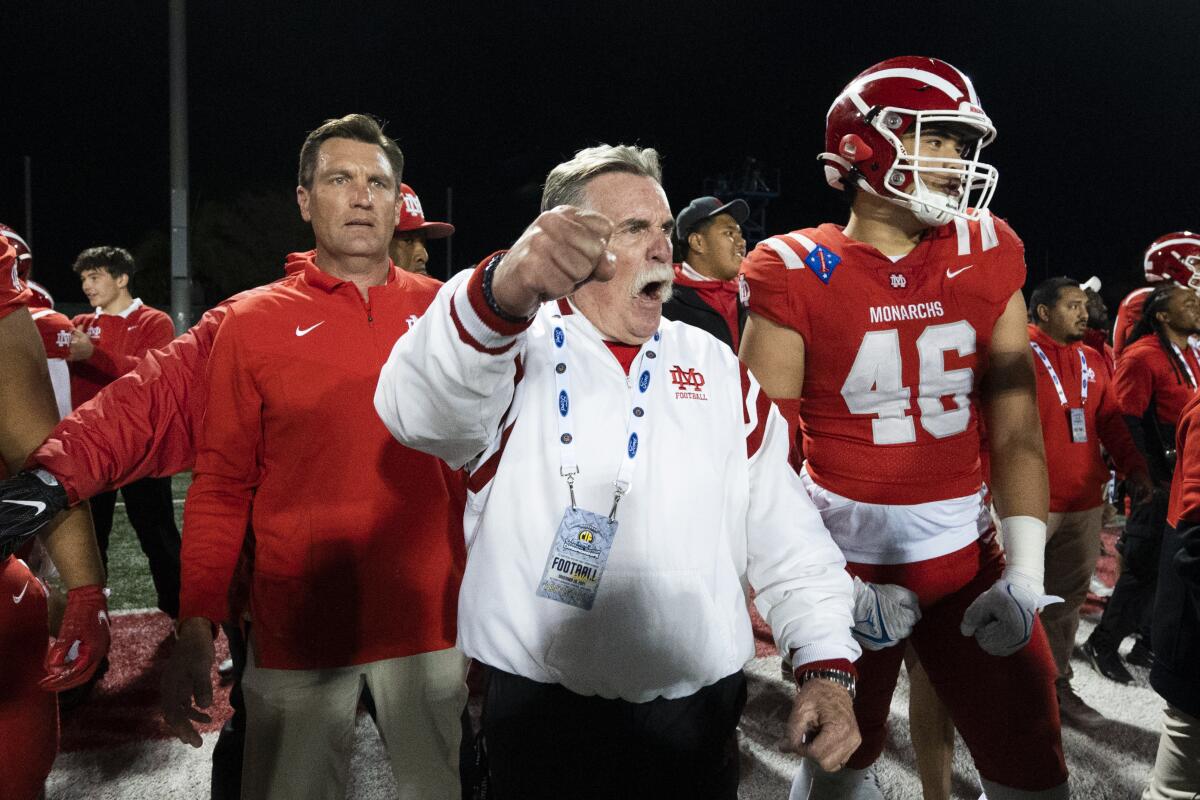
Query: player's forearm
{"points": [[27, 408], [1020, 484], [71, 543]]}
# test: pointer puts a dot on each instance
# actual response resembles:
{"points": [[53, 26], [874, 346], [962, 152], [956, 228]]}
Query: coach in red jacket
{"points": [[1079, 412], [358, 544]]}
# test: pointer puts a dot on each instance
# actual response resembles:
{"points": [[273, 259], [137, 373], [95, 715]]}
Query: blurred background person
{"points": [[1156, 376]]}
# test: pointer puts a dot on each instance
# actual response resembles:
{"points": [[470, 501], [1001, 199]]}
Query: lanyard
{"points": [[1178, 352], [639, 393], [1058, 387]]}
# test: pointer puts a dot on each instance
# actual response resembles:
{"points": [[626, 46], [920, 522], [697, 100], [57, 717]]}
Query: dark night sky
{"points": [[1095, 103]]}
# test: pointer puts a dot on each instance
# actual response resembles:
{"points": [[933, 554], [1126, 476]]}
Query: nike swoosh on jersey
{"points": [[17, 598], [305, 331], [954, 273], [37, 505]]}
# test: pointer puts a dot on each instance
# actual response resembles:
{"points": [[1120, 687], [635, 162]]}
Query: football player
{"points": [[896, 332], [29, 673], [1172, 257]]}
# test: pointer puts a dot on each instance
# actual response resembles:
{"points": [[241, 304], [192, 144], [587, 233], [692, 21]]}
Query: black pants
{"points": [[544, 741], [1131, 606], [152, 515]]}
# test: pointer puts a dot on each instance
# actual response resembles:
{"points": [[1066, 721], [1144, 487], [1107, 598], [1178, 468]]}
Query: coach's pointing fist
{"points": [[563, 249]]}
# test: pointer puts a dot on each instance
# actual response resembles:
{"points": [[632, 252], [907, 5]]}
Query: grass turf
{"points": [[128, 572]]}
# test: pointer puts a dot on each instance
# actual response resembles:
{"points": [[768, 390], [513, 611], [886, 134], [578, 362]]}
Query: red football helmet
{"points": [[909, 94], [1174, 257], [24, 256]]}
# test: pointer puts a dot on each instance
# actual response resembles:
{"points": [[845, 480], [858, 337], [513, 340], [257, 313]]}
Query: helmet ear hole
{"points": [[854, 149]]}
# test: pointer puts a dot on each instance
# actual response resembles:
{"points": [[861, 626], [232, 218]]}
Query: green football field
{"points": [[128, 572]]}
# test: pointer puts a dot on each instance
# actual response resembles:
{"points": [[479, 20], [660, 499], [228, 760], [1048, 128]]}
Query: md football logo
{"points": [[689, 383]]}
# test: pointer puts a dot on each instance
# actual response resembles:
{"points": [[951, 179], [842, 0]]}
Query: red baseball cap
{"points": [[412, 218]]}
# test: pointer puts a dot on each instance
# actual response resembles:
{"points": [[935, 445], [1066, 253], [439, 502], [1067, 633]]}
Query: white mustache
{"points": [[659, 273]]}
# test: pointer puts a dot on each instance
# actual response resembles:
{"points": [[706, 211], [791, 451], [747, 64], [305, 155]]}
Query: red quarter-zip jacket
{"points": [[358, 540], [1077, 471]]}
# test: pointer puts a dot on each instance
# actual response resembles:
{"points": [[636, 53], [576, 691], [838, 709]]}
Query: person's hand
{"points": [[1140, 487], [82, 642], [28, 501], [822, 725], [563, 249], [884, 614], [1001, 619], [188, 675], [81, 346]]}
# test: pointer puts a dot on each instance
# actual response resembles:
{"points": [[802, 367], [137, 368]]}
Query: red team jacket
{"points": [[1078, 468], [358, 540], [894, 351], [1145, 374], [121, 340]]}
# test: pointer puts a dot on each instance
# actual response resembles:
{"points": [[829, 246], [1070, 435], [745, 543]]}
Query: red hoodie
{"points": [[358, 540], [720, 296], [1077, 471]]}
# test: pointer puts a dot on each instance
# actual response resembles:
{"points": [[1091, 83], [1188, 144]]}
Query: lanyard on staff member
{"points": [[584, 538], [1186, 366], [1075, 416]]}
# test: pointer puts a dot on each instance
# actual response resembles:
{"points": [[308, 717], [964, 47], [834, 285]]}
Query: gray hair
{"points": [[566, 183]]}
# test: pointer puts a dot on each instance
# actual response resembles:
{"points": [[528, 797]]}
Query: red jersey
{"points": [[359, 547], [894, 351], [1128, 314], [1146, 374], [13, 294], [55, 330], [1077, 470], [121, 340]]}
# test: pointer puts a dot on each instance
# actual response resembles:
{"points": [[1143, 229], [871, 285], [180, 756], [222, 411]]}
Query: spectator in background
{"points": [[1175, 675], [407, 249], [1172, 258], [1079, 412], [1097, 334], [1156, 376], [710, 248], [106, 344]]}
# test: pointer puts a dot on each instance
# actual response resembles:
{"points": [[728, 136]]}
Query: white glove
{"points": [[884, 614], [1001, 619]]}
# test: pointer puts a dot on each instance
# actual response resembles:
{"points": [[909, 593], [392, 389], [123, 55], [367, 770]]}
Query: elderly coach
{"points": [[629, 482]]}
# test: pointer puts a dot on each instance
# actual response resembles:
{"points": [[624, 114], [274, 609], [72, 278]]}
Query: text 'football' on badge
{"points": [[577, 558]]}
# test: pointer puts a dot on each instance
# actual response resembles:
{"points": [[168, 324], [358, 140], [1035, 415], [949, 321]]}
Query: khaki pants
{"points": [[1072, 546], [300, 726], [1176, 773]]}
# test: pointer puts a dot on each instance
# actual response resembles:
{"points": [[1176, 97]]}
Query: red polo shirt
{"points": [[120, 341]]}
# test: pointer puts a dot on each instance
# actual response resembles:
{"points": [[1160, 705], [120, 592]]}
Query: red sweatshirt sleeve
{"points": [[1134, 384], [142, 425], [1114, 433], [227, 470]]}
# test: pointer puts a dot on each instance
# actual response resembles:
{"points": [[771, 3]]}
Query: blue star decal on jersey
{"points": [[822, 261]]}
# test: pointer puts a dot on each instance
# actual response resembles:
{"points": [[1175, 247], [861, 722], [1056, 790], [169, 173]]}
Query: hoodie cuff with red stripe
{"points": [[477, 322]]}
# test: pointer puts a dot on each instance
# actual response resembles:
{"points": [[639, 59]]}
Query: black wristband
{"points": [[489, 272]]}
